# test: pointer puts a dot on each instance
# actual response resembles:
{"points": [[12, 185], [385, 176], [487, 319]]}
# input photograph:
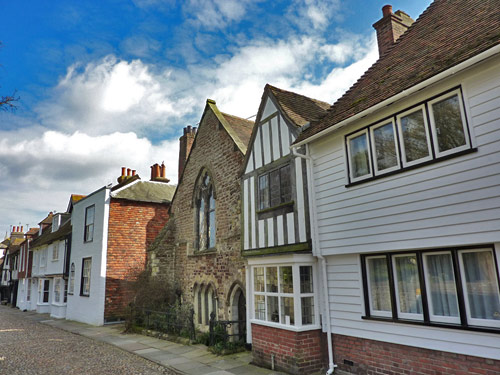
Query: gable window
{"points": [[205, 213], [89, 224], [426, 132], [427, 286], [284, 294], [275, 188], [85, 281], [71, 288]]}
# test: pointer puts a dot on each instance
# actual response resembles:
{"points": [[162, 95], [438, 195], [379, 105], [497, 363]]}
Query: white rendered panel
{"points": [[252, 212], [285, 136], [250, 163], [290, 227], [270, 232], [269, 109], [246, 234], [262, 234], [275, 136], [300, 200], [266, 142], [257, 150], [281, 230]]}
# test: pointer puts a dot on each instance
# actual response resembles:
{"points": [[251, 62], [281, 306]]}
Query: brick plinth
{"points": [[294, 352], [132, 228], [360, 356]]}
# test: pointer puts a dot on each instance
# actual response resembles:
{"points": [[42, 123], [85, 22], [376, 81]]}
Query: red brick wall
{"points": [[132, 228], [375, 357], [295, 352]]}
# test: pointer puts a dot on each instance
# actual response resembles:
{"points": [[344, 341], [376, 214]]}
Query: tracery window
{"points": [[205, 213]]}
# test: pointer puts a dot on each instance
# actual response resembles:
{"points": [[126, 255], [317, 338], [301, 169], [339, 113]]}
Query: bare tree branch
{"points": [[8, 103]]}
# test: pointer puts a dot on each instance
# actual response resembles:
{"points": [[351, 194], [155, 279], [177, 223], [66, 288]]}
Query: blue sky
{"points": [[110, 83]]}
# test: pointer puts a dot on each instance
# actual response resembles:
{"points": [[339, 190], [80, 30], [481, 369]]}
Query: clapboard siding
{"points": [[446, 203], [347, 308]]}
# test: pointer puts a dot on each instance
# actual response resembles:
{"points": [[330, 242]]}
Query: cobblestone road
{"points": [[28, 347]]}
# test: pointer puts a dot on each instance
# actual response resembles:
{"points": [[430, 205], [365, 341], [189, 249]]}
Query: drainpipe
{"points": [[316, 252]]}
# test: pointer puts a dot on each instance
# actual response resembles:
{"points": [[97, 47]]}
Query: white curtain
{"points": [[441, 289]]}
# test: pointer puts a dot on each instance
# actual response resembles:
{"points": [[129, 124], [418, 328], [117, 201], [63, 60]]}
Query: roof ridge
{"points": [[295, 93], [238, 117]]}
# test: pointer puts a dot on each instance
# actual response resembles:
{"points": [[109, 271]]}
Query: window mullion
{"points": [[423, 291], [297, 306], [392, 287], [460, 289]]}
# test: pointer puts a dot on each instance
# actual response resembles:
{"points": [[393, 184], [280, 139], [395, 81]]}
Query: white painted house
{"points": [[282, 273], [405, 188]]}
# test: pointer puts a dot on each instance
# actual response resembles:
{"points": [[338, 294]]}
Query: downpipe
{"points": [[315, 252]]}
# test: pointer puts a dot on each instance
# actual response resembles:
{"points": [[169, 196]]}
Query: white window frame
{"points": [[41, 291], [475, 321], [403, 315], [55, 252], [349, 154], [28, 291], [71, 287], [85, 289], [57, 282], [374, 149], [432, 317], [296, 293], [433, 124], [421, 108], [88, 224], [372, 311], [43, 258]]}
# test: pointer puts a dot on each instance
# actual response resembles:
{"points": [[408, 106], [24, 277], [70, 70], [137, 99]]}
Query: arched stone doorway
{"points": [[238, 312]]}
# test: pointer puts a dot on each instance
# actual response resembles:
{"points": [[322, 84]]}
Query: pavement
{"points": [[179, 358]]}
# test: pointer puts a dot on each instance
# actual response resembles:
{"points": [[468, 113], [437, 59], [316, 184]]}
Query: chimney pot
{"points": [[133, 172], [157, 170], [123, 171], [21, 228], [128, 171], [386, 10], [162, 170]]}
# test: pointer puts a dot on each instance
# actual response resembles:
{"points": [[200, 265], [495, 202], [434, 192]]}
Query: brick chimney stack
{"points": [[158, 173], [186, 142], [128, 175], [390, 27]]}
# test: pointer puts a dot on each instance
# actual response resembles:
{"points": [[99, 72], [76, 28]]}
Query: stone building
{"points": [[199, 250]]}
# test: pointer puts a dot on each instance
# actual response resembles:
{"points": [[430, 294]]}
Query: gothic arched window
{"points": [[205, 213]]}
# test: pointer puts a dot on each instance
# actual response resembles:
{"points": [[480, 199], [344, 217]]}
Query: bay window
{"points": [[284, 294], [431, 130], [451, 286]]}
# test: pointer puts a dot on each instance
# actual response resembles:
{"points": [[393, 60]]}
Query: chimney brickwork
{"points": [[185, 144], [391, 27]]}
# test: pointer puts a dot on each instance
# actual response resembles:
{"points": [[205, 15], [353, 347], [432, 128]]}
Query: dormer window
{"points": [[205, 213], [56, 221]]}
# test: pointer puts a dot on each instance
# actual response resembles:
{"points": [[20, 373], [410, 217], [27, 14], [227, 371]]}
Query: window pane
{"points": [[89, 215], [286, 279], [385, 147], [211, 229], [441, 288], [260, 307], [307, 304], [274, 177], [46, 284], [358, 147], [414, 136], [202, 235], [286, 188], [448, 123], [273, 309], [258, 279], [408, 284], [481, 284], [306, 281], [287, 315], [57, 290], [272, 279], [263, 192], [378, 284]]}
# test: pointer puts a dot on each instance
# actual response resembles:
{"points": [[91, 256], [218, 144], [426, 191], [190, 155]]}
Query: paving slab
{"points": [[142, 352]]}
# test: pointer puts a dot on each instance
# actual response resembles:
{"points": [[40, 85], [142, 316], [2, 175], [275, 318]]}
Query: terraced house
{"points": [[405, 205]]}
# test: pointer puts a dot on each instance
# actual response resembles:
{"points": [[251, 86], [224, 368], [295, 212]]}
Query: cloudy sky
{"points": [[111, 83]]}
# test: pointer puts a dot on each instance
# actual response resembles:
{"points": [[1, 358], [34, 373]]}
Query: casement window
{"points": [[85, 280], [28, 290], [57, 290], [89, 224], [453, 287], [55, 252], [284, 295], [65, 291], [275, 188], [43, 258], [71, 288], [43, 290], [432, 130], [205, 214], [205, 302]]}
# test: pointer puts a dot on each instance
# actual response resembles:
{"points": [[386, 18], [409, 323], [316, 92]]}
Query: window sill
{"points": [[433, 324], [211, 251], [85, 295], [270, 209], [59, 304], [311, 327]]}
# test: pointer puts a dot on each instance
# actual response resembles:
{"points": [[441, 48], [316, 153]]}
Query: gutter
{"points": [[317, 253], [403, 94]]}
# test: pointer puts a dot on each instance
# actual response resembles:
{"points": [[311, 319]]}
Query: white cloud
{"points": [[216, 14], [314, 15]]}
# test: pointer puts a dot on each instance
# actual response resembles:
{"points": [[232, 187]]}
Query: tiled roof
{"points": [[47, 220], [48, 236], [76, 197], [147, 191], [15, 245], [299, 108], [242, 127], [32, 231], [446, 34]]}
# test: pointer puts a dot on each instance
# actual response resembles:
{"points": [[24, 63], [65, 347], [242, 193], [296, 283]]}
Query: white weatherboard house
{"points": [[406, 199], [87, 270], [282, 274]]}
